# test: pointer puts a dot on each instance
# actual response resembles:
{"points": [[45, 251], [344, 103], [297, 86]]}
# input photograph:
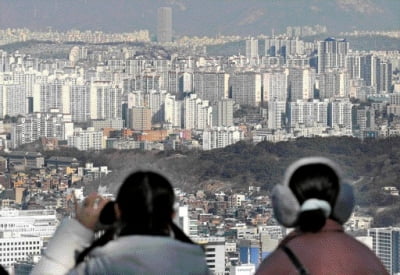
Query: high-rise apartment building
{"points": [[340, 114], [79, 102], [275, 85], [252, 51], [386, 245], [332, 54], [333, 83], [33, 126], [4, 61], [164, 24], [197, 113], [140, 118], [156, 104], [308, 113], [211, 86], [105, 100], [220, 137], [364, 119], [48, 96], [13, 100], [384, 77], [246, 88], [173, 111], [86, 140], [222, 113], [301, 82], [276, 114], [283, 46]]}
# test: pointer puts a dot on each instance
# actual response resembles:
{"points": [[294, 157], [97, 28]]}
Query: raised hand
{"points": [[89, 211]]}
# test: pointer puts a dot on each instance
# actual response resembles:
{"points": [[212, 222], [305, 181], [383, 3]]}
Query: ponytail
{"points": [[311, 220], [313, 214], [179, 234], [104, 239]]}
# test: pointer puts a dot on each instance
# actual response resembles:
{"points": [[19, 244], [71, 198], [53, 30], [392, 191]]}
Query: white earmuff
{"points": [[286, 206]]}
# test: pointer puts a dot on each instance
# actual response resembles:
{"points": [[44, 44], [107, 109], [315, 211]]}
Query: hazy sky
{"points": [[201, 17]]}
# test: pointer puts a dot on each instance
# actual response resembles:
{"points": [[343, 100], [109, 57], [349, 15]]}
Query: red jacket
{"points": [[329, 251]]}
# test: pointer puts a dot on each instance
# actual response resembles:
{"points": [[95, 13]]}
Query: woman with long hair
{"points": [[141, 237], [314, 201]]}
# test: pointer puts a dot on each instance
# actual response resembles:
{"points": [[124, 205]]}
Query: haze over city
{"points": [[206, 17]]}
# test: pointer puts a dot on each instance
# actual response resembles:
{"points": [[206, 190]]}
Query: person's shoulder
{"points": [[274, 263], [145, 244], [126, 252]]}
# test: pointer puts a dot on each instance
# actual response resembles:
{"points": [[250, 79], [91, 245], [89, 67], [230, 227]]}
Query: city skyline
{"points": [[80, 110]]}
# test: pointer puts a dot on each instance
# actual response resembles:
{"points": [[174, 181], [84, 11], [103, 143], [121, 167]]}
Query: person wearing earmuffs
{"points": [[313, 199]]}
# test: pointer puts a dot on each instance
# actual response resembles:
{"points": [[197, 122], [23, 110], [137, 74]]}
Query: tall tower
{"points": [[164, 24], [332, 54], [252, 51]]}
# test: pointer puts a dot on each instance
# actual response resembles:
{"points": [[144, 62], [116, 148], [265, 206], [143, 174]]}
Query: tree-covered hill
{"points": [[370, 165]]}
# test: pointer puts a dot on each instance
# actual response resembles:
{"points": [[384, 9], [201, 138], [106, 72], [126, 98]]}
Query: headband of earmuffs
{"points": [[286, 206]]}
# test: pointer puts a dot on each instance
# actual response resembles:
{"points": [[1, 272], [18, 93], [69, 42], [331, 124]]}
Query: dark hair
{"points": [[317, 181], [146, 201]]}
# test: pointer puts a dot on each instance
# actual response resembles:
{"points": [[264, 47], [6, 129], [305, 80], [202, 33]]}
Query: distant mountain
{"points": [[201, 17]]}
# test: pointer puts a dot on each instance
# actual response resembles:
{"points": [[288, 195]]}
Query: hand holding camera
{"points": [[89, 211]]}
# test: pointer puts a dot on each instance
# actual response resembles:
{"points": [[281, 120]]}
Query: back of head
{"points": [[146, 201], [310, 193], [312, 185]]}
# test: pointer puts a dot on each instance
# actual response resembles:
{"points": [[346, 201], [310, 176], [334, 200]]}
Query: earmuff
{"points": [[286, 206]]}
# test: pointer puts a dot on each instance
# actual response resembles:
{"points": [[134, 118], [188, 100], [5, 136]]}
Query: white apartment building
{"points": [[308, 113], [19, 247], [22, 233], [40, 223], [105, 100], [246, 88], [197, 113], [48, 96], [340, 114], [182, 219], [386, 245], [52, 125], [135, 99], [220, 137], [85, 140], [13, 100], [301, 82], [276, 114], [173, 111], [215, 253], [275, 85]]}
